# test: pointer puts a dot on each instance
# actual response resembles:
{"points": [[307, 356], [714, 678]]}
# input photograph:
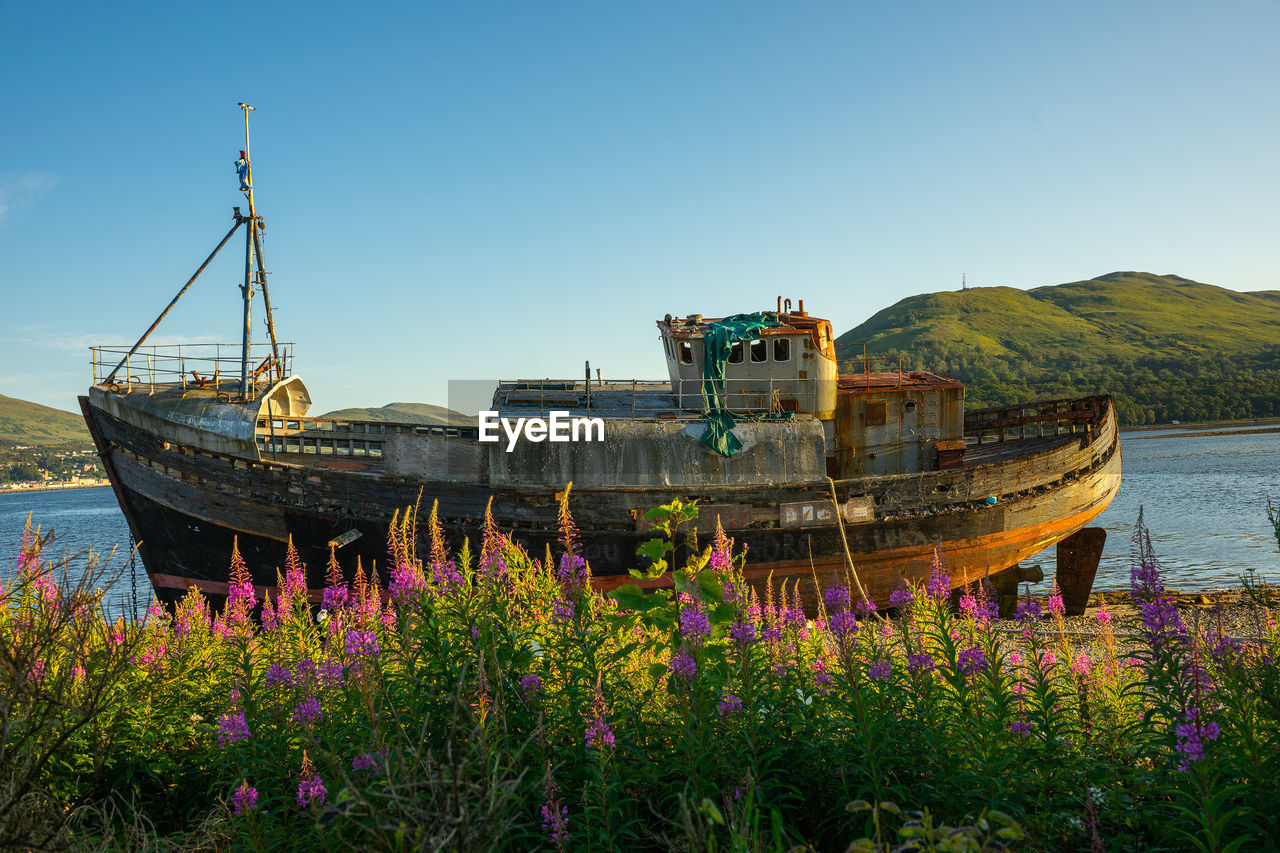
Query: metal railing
{"points": [[213, 367], [1033, 420], [682, 399]]}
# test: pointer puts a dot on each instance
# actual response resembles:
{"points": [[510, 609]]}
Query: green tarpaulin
{"points": [[718, 342]]}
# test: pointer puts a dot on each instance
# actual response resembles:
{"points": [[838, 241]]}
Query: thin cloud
{"points": [[20, 191], [80, 342]]}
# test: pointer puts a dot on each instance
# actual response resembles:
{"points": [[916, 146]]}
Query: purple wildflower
{"points": [[1103, 615], [335, 597], [599, 734], [743, 632], [1192, 733], [972, 660], [729, 704], [563, 610], [277, 675], [555, 814], [368, 762], [232, 728], [880, 670], [683, 665], [865, 607], [307, 712], [1029, 610], [406, 581], [938, 586], [822, 679], [1020, 727], [529, 685], [902, 597], [920, 663], [572, 570], [836, 598], [244, 798], [843, 624], [330, 674], [1081, 666]]}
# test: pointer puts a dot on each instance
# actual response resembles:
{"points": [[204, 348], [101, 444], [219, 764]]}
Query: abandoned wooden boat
{"points": [[755, 422]]}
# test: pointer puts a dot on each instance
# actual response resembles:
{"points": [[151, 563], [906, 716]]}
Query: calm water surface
{"points": [[82, 520], [1204, 500]]}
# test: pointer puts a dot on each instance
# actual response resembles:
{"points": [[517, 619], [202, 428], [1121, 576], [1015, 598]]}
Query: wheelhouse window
{"points": [[735, 353], [781, 349], [759, 351], [686, 352]]}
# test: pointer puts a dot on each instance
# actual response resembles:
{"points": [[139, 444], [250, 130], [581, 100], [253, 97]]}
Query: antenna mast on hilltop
{"points": [[252, 250], [964, 282]]}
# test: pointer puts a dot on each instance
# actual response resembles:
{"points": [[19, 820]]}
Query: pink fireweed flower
{"points": [[362, 644], [865, 607], [1020, 728], [366, 762], [598, 733], [938, 586], [307, 712], [244, 799], [311, 790], [729, 704], [822, 679], [1192, 733], [1103, 615], [555, 814], [695, 626], [1048, 660], [902, 597], [572, 571], [1056, 606], [880, 670], [232, 728], [1081, 665], [530, 685], [406, 581], [836, 598]]}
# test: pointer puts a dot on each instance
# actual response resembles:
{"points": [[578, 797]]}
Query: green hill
{"points": [[22, 422], [405, 413], [1165, 347]]}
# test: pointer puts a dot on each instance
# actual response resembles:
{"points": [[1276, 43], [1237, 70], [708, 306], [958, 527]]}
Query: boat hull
{"points": [[186, 506]]}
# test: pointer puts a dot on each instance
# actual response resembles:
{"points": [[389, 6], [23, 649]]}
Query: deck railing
{"points": [[1032, 420], [206, 366], [681, 400]]}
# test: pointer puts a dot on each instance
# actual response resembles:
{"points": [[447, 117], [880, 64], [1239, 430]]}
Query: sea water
{"points": [[1204, 501]]}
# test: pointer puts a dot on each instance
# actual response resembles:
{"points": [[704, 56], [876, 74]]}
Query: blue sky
{"points": [[482, 190]]}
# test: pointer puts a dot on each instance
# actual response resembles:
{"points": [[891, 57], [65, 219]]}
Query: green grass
{"points": [[23, 422]]}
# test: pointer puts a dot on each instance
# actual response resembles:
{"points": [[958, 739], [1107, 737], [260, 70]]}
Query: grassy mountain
{"points": [[405, 413], [22, 422], [1165, 347]]}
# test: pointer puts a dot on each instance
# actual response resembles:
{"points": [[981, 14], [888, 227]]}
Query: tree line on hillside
{"points": [[1147, 389]]}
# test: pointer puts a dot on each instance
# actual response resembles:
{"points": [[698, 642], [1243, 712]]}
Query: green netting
{"points": [[718, 342]]}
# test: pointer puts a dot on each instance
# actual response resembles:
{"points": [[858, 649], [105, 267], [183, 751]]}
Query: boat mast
{"points": [[246, 289]]}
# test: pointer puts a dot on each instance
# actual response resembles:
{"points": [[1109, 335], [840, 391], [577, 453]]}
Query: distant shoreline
{"points": [[5, 490]]}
